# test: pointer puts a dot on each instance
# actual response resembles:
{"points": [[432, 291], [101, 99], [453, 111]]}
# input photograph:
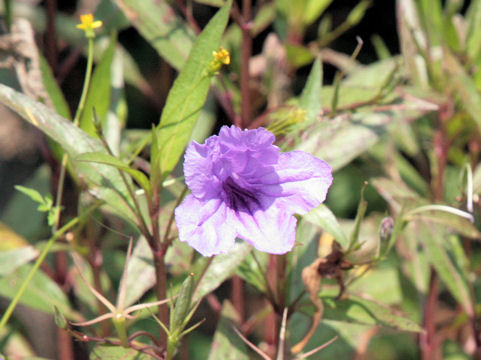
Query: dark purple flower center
{"points": [[238, 198]]}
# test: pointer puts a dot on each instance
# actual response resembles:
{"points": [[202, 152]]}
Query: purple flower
{"points": [[243, 186]]}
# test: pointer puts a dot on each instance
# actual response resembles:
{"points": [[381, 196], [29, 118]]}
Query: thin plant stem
{"points": [[45, 251], [88, 76], [427, 339], [237, 296]]}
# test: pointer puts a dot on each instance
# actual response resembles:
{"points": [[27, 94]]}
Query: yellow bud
{"points": [[222, 56]]}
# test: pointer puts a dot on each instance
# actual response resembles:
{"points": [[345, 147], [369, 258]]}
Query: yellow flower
{"points": [[222, 56], [88, 24]]}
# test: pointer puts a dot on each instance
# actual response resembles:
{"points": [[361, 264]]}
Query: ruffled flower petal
{"points": [[207, 226], [272, 230], [242, 186], [301, 177]]}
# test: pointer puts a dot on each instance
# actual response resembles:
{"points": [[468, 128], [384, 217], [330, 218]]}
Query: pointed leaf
{"points": [[105, 180], [42, 292], [12, 259], [109, 352], [98, 96], [161, 27], [355, 309], [310, 100], [188, 94], [323, 217], [222, 267], [103, 158], [440, 257]]}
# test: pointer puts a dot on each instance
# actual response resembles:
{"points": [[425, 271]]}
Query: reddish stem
{"points": [[428, 341], [237, 296]]}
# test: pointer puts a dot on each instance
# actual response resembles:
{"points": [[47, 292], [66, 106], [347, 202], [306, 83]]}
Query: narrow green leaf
{"points": [[109, 352], [361, 211], [440, 257], [354, 309], [12, 259], [264, 17], [314, 9], [188, 94], [117, 113], [161, 27], [42, 292], [323, 217], [465, 87], [182, 304], [98, 96], [222, 267], [103, 158], [343, 138], [50, 84], [105, 181], [31, 193], [310, 100], [459, 224], [227, 345], [473, 33]]}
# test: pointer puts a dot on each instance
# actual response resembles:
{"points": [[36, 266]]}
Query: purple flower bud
{"points": [[243, 186]]}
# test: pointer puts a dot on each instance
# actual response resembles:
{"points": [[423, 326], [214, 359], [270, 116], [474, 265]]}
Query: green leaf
{"points": [[222, 267], [188, 94], [227, 345], [117, 113], [354, 309], [103, 158], [340, 140], [264, 17], [465, 87], [98, 96], [54, 92], [139, 267], [473, 33], [182, 304], [459, 224], [19, 213], [104, 180], [158, 23], [12, 259], [109, 352], [298, 55], [310, 100], [323, 217], [31, 193], [361, 211], [42, 293], [314, 9], [441, 258]]}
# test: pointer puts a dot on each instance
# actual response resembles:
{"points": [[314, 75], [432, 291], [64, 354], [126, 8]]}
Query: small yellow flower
{"points": [[222, 56], [88, 24]]}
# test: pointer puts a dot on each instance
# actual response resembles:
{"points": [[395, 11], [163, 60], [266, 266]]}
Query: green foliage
{"points": [[187, 97], [393, 253]]}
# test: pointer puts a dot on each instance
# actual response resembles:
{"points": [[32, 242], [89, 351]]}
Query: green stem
{"points": [[46, 249], [81, 105], [88, 75], [119, 323]]}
